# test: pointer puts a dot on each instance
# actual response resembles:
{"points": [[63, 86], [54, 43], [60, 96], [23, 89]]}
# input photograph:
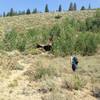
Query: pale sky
{"points": [[5, 5]]}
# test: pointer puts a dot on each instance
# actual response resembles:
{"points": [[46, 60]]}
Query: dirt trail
{"points": [[13, 88], [18, 73]]}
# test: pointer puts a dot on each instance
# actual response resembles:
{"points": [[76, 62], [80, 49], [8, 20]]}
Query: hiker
{"points": [[74, 62]]}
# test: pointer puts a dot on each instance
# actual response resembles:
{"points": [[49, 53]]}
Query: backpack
{"points": [[75, 60]]}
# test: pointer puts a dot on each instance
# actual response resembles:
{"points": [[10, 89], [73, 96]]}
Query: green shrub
{"points": [[97, 13], [44, 34], [93, 23], [9, 41], [55, 31], [21, 45], [86, 43], [31, 37], [38, 35], [13, 41], [68, 36], [82, 27], [98, 38], [64, 44], [72, 22], [19, 41]]}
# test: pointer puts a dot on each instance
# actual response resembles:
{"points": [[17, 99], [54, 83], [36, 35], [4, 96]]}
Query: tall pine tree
{"points": [[28, 11], [75, 6], [46, 8], [83, 8], [89, 8], [60, 8], [4, 15], [71, 7], [34, 10], [11, 13]]}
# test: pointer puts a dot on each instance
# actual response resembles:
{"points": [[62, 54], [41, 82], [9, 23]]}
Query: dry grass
{"points": [[13, 84], [9, 62], [24, 22], [74, 82], [57, 81], [57, 96], [96, 89]]}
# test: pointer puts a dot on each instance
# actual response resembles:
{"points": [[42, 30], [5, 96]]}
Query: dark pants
{"points": [[73, 67]]}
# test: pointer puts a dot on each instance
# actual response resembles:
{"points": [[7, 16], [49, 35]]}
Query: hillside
{"points": [[23, 22], [31, 73]]}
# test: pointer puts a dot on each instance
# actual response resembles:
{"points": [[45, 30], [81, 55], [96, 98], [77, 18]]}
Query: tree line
{"points": [[72, 7]]}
